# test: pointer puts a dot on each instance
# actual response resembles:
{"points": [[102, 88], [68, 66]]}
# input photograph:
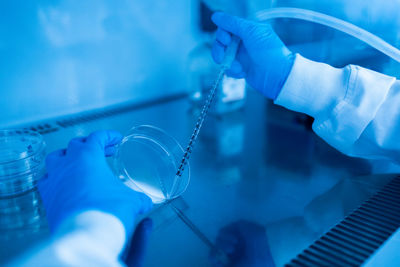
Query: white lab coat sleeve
{"points": [[355, 110], [91, 238]]}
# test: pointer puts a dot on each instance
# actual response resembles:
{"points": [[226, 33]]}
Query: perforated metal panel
{"points": [[357, 236], [43, 128], [50, 126], [114, 110]]}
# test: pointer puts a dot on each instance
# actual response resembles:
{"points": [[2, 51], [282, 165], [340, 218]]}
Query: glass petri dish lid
{"points": [[147, 160]]}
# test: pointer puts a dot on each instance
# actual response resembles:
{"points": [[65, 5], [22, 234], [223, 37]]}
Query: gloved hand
{"points": [[136, 249], [79, 179], [245, 243], [262, 59]]}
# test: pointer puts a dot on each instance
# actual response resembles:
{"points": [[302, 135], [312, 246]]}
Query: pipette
{"points": [[230, 55]]}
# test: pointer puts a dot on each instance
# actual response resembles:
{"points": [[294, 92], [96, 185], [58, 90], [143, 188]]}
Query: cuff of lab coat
{"points": [[342, 101], [312, 88], [94, 230]]}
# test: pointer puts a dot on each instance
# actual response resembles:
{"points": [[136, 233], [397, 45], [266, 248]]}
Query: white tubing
{"points": [[343, 26]]}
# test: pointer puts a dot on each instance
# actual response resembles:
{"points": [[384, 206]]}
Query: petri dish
{"points": [[147, 160], [22, 154]]}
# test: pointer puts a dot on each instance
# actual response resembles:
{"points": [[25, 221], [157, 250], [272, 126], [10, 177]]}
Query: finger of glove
{"points": [[110, 150], [236, 70], [53, 158], [232, 24], [75, 142], [43, 186], [218, 52], [223, 37], [243, 58], [136, 202], [139, 242], [53, 164], [144, 202], [105, 140]]}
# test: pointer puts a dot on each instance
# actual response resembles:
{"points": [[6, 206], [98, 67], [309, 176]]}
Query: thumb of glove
{"points": [[138, 245]]}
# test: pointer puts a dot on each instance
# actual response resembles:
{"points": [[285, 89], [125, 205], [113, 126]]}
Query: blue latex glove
{"points": [[80, 179], [246, 245], [262, 59], [136, 250]]}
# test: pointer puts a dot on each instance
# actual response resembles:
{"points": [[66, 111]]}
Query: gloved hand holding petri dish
{"points": [[147, 161]]}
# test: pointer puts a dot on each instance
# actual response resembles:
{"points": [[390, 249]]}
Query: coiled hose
{"points": [[332, 22]]}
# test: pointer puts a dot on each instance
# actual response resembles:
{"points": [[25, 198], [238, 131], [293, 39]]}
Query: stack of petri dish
{"points": [[22, 154], [22, 164], [147, 160]]}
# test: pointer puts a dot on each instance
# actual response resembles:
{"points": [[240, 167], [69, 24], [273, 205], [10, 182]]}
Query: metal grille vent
{"points": [[355, 238], [42, 128], [114, 110]]}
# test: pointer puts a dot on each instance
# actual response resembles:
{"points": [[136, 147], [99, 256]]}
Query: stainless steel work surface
{"points": [[261, 164]]}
